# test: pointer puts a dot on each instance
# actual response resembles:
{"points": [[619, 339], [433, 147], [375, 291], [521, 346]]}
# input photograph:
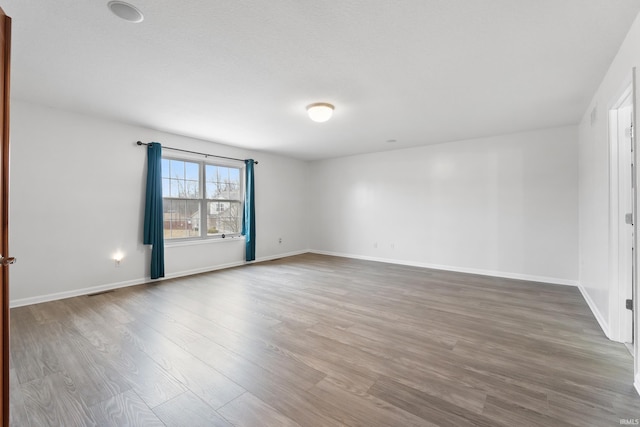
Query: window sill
{"points": [[193, 242]]}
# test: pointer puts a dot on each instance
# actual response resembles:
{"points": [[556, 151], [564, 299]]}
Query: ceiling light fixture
{"points": [[125, 11], [320, 111]]}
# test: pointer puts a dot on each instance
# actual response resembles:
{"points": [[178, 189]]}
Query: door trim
{"points": [[618, 287], [4, 202]]}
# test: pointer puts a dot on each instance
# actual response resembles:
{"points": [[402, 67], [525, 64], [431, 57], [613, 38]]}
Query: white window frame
{"points": [[203, 228]]}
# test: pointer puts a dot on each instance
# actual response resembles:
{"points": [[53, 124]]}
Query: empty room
{"points": [[319, 213]]}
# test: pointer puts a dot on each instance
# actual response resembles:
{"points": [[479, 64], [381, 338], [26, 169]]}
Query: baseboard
{"points": [[111, 286], [596, 313], [69, 294], [481, 272], [287, 254]]}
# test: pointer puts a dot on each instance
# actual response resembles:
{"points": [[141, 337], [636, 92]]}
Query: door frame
{"points": [[618, 288], [4, 215], [636, 305]]}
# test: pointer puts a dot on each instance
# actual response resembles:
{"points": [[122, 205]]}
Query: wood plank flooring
{"points": [[314, 340]]}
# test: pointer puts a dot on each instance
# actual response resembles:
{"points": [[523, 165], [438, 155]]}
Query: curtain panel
{"points": [[249, 218], [153, 214]]}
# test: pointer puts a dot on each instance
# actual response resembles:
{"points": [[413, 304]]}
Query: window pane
{"points": [[168, 214], [192, 218], [222, 183], [234, 188], [211, 173], [183, 179], [234, 179], [225, 184], [166, 173], [181, 218], [166, 192], [223, 217], [192, 189], [177, 169], [223, 174], [182, 189], [175, 187], [192, 171], [223, 190], [234, 175]]}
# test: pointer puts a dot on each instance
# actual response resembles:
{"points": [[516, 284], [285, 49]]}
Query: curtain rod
{"points": [[196, 152]]}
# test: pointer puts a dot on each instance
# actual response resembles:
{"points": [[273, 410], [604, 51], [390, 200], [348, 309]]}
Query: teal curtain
{"points": [[153, 221], [249, 218]]}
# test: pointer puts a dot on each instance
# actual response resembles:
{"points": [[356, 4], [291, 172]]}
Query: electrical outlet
{"points": [[279, 240], [117, 258], [375, 245]]}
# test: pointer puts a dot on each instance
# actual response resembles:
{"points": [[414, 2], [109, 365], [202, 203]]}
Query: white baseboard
{"points": [[111, 286], [506, 275], [272, 257], [596, 313], [74, 293]]}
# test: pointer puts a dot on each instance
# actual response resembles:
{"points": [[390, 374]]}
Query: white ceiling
{"points": [[240, 72]]}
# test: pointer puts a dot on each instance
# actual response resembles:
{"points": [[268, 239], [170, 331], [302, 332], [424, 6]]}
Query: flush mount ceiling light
{"points": [[125, 11], [320, 111]]}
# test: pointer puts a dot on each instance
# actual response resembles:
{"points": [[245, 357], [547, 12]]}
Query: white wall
{"points": [[504, 206], [77, 192], [594, 181]]}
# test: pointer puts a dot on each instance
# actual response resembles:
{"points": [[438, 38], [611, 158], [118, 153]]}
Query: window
{"points": [[201, 199]]}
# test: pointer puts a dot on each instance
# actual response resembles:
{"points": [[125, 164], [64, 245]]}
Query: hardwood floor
{"points": [[314, 340]]}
